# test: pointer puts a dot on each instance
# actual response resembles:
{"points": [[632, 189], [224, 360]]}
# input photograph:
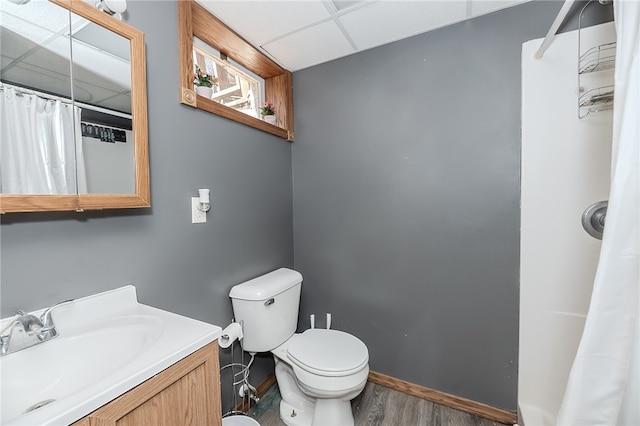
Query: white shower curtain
{"points": [[604, 384], [38, 155]]}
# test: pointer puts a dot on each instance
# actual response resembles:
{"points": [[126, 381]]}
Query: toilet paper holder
{"points": [[230, 334], [239, 371]]}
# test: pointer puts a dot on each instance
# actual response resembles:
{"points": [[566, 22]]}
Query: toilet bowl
{"points": [[318, 371]]}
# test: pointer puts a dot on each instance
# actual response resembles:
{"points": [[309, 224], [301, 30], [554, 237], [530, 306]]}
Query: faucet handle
{"points": [[10, 324], [45, 318], [29, 324]]}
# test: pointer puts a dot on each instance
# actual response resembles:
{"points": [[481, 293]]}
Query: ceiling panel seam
{"points": [[345, 33]]}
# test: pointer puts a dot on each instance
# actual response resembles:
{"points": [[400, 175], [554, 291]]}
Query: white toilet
{"points": [[318, 371]]}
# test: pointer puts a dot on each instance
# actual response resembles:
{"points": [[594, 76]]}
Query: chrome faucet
{"points": [[26, 330], [45, 318]]}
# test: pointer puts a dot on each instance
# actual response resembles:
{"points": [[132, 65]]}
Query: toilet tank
{"points": [[267, 307]]}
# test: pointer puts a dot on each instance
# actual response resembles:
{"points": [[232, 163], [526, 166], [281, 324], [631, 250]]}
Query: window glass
{"points": [[233, 85]]}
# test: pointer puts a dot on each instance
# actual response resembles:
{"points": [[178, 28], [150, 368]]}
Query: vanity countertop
{"points": [[108, 343]]}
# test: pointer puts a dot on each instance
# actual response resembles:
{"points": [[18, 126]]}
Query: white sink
{"points": [[107, 344]]}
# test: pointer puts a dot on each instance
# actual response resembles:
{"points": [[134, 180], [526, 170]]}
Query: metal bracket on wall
{"points": [[593, 219]]}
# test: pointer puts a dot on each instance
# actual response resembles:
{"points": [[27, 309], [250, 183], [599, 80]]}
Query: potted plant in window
{"points": [[268, 113], [204, 83]]}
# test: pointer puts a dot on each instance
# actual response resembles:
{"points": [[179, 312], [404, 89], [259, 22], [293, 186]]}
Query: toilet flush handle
{"points": [[270, 302]]}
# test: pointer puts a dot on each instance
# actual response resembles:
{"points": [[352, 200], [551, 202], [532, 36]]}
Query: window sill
{"points": [[190, 98]]}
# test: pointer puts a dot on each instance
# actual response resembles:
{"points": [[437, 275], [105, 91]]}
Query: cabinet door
{"points": [[184, 394]]}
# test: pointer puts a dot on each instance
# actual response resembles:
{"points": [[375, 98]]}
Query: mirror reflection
{"points": [[65, 111]]}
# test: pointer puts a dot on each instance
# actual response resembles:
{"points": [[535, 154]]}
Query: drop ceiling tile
{"points": [[262, 21], [106, 71], [345, 4], [387, 21], [121, 102], [41, 14], [105, 40], [45, 79], [100, 95], [311, 46], [55, 56], [482, 7]]}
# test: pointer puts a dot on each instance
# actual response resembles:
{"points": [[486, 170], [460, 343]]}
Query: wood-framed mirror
{"points": [[82, 74]]}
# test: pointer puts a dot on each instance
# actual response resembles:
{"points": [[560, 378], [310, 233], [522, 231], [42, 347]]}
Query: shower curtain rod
{"points": [[66, 101], [554, 27]]}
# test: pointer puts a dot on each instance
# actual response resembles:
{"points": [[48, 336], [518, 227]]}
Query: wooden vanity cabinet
{"points": [[187, 393]]}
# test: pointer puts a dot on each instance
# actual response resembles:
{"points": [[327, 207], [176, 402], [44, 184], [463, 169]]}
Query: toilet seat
{"points": [[329, 353]]}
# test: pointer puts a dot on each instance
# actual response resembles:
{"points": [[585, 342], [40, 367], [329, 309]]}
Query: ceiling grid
{"points": [[301, 33]]}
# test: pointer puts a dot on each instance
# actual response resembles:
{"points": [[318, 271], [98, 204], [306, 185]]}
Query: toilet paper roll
{"points": [[230, 334]]}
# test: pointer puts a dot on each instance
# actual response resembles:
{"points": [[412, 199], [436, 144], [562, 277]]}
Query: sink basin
{"points": [[117, 345], [56, 369]]}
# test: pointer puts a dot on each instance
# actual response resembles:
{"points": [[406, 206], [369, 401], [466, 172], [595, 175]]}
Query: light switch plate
{"points": [[197, 215]]}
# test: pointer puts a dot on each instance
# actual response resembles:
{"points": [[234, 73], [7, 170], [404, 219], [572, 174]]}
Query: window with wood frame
{"points": [[229, 83], [199, 29]]}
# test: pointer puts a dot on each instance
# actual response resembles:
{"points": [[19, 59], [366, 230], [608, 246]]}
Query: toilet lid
{"points": [[328, 352]]}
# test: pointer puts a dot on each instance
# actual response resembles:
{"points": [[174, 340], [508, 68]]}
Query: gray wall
{"points": [[406, 201], [406, 195], [175, 265]]}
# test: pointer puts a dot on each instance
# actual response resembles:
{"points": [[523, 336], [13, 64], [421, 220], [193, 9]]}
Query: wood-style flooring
{"points": [[379, 406]]}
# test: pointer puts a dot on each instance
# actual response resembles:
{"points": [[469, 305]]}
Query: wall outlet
{"points": [[197, 215]]}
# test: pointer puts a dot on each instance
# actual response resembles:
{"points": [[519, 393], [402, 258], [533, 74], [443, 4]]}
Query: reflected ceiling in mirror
{"points": [[67, 51], [101, 67], [36, 53]]}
